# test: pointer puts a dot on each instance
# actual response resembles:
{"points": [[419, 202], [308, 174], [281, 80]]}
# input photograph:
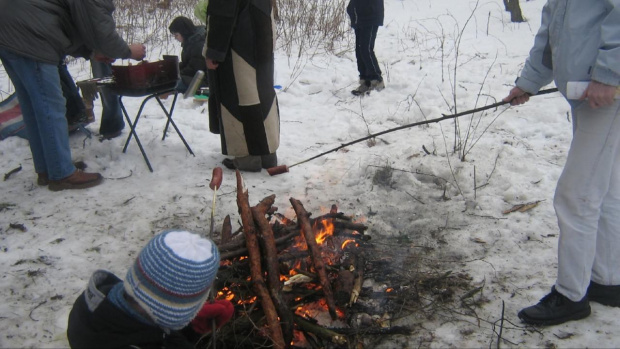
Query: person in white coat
{"points": [[580, 41]]}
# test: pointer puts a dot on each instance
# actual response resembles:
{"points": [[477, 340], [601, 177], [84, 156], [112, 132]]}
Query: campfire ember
{"points": [[297, 284]]}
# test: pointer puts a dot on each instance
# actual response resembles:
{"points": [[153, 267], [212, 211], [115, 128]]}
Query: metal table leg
{"points": [[132, 128], [170, 121]]}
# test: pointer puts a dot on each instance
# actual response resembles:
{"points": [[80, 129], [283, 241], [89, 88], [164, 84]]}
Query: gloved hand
{"points": [[220, 310]]}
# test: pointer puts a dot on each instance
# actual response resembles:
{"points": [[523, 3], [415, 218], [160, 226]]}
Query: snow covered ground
{"points": [[433, 53]]}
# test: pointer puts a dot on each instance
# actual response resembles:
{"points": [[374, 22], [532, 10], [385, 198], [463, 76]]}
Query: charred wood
{"points": [[249, 230], [268, 244], [315, 254]]}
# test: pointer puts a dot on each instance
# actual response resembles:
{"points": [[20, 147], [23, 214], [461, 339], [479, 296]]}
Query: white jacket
{"points": [[578, 40]]}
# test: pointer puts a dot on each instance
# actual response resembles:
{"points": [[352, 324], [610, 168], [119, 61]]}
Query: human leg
{"points": [[112, 122], [580, 201], [359, 53], [367, 64], [605, 285], [43, 107], [583, 196], [76, 110], [365, 52]]}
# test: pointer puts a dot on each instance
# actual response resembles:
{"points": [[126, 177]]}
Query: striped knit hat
{"points": [[172, 276]]}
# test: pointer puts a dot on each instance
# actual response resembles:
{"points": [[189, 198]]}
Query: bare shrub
{"points": [[312, 26], [147, 21]]}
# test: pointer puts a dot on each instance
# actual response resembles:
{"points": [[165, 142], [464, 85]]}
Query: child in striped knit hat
{"points": [[161, 302]]}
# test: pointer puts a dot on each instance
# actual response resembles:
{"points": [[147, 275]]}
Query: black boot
{"points": [[604, 294], [555, 309]]}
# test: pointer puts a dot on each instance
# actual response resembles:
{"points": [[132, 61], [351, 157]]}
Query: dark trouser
{"points": [[367, 64], [111, 116], [75, 106]]}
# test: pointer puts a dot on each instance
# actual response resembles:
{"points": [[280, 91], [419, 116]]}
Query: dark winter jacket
{"points": [[191, 55], [193, 43], [365, 13], [94, 322], [48, 30]]}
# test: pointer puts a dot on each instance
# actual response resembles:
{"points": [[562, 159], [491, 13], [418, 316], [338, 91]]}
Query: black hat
{"points": [[183, 26]]}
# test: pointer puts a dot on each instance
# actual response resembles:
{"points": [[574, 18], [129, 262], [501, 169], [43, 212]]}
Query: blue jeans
{"points": [[43, 108], [111, 116]]}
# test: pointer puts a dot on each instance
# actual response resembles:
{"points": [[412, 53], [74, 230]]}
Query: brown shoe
{"points": [[42, 179], [78, 180]]}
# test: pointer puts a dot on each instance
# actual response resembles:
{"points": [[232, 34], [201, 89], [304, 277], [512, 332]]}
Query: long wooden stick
{"points": [[258, 283], [444, 117], [271, 263], [315, 254]]}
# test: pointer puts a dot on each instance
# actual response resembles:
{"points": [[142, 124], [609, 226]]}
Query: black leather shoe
{"points": [[602, 294], [555, 309]]}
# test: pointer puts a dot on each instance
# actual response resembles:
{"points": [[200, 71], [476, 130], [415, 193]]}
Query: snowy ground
{"points": [[436, 200]]}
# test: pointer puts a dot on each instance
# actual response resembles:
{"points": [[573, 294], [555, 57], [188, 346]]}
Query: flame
{"points": [[389, 290], [247, 301], [326, 231], [350, 241], [225, 293]]}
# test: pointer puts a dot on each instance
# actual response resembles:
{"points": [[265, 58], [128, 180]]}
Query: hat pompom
{"points": [[171, 277]]}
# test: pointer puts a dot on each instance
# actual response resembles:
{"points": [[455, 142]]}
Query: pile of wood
{"points": [[283, 283]]}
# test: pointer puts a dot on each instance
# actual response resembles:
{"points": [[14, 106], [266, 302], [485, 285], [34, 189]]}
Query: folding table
{"points": [[150, 93]]}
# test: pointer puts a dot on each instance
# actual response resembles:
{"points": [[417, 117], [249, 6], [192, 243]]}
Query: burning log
{"points": [[249, 230], [271, 262], [315, 254]]}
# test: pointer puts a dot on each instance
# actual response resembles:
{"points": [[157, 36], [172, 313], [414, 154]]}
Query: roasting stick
{"points": [[216, 182], [273, 171]]}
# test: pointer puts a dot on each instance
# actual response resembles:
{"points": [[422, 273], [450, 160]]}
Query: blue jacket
{"points": [[579, 40], [365, 13]]}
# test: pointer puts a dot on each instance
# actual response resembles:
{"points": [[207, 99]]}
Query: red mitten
{"points": [[220, 310]]}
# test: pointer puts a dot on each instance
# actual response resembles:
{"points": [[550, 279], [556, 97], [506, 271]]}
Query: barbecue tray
{"points": [[145, 78]]}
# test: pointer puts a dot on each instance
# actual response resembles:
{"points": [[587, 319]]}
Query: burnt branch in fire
{"points": [[270, 250], [258, 283], [315, 254]]}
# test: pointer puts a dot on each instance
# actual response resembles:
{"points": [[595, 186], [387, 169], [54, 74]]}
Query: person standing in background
{"points": [[366, 18], [578, 41], [243, 106], [35, 36]]}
